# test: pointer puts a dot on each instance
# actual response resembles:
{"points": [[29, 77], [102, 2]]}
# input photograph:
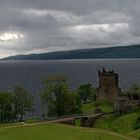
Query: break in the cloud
{"points": [[29, 26], [6, 37]]}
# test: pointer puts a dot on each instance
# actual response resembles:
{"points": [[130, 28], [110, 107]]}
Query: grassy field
{"points": [[56, 132]]}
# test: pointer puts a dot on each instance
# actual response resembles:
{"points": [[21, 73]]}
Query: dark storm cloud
{"points": [[28, 26]]}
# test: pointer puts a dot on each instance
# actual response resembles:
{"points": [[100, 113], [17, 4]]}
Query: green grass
{"points": [[78, 122], [135, 133], [57, 132], [123, 124], [10, 124], [104, 106], [105, 122], [32, 120]]}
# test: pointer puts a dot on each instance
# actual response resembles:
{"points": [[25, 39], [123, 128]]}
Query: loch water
{"points": [[31, 73]]}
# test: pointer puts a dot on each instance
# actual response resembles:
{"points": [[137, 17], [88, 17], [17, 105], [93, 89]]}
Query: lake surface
{"points": [[31, 73]]}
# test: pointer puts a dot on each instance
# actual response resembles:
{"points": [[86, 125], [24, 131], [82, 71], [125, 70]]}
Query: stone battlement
{"points": [[107, 73]]}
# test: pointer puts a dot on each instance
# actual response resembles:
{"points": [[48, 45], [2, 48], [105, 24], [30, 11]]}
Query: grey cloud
{"points": [[49, 30]]}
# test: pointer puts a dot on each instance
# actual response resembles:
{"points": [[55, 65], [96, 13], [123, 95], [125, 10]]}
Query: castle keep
{"points": [[108, 86]]}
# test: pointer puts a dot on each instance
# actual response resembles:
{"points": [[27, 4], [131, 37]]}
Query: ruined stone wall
{"points": [[124, 105]]}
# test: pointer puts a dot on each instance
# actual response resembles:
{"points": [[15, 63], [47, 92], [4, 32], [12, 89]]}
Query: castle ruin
{"points": [[108, 86], [109, 91]]}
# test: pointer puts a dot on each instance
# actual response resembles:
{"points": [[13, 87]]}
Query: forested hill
{"points": [[132, 51]]}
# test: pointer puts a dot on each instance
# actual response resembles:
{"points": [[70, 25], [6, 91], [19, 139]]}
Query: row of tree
{"points": [[56, 97], [14, 105]]}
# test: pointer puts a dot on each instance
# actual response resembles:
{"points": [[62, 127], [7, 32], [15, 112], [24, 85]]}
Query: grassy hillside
{"points": [[57, 132], [124, 124], [135, 133], [104, 106]]}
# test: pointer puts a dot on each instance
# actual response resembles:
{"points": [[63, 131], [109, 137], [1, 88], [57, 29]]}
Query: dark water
{"points": [[31, 73]]}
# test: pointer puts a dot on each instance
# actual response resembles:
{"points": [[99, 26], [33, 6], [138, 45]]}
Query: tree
{"points": [[133, 90], [57, 96], [74, 105], [6, 107], [134, 87], [86, 92], [23, 101]]}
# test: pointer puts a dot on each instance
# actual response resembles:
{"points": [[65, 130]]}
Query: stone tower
{"points": [[108, 86]]}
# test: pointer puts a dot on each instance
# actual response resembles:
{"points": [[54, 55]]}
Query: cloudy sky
{"points": [[35, 26]]}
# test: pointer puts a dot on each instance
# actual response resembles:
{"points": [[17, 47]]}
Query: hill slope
{"points": [[132, 51], [125, 124], [128, 124]]}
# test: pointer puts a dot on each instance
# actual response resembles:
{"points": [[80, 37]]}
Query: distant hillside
{"points": [[132, 51]]}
